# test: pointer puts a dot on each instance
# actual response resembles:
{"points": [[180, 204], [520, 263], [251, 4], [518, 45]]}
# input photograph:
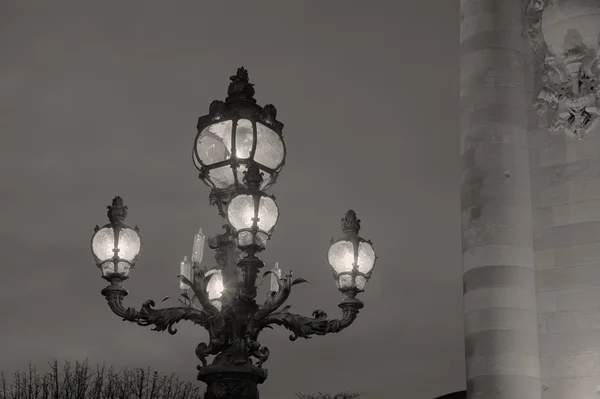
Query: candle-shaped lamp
{"points": [[274, 277], [198, 248], [185, 269]]}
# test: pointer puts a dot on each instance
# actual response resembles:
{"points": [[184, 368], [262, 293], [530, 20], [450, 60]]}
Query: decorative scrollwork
{"points": [[204, 350], [164, 319], [233, 332], [255, 349], [301, 326]]}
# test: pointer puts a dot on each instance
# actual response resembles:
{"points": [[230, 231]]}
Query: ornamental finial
{"points": [[117, 212], [350, 223], [240, 88], [241, 75], [253, 177]]}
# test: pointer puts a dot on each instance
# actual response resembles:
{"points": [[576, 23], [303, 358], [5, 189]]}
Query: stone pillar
{"points": [[501, 338]]}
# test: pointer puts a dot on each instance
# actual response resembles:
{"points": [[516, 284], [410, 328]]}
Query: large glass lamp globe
{"points": [[116, 246], [351, 257], [235, 133]]}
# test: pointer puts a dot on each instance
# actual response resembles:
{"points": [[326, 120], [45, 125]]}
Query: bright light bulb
{"points": [[215, 285]]}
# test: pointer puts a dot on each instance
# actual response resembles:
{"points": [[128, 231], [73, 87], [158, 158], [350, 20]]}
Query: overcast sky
{"points": [[101, 99]]}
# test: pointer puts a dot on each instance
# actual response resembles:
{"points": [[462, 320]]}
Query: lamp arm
{"points": [[114, 295], [305, 327], [162, 319]]}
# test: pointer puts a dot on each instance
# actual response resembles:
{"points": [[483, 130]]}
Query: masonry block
{"points": [[556, 175], [584, 387], [573, 320], [505, 364], [578, 298], [492, 255], [497, 235], [570, 343], [541, 137], [499, 297], [568, 277], [565, 151], [567, 235], [500, 319], [570, 192], [577, 254], [583, 364], [547, 301]]}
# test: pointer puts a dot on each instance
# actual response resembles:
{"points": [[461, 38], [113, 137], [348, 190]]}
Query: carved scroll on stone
{"points": [[570, 49]]}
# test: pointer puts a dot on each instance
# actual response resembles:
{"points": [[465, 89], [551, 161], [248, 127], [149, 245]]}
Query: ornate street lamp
{"points": [[222, 298], [116, 246], [351, 257]]}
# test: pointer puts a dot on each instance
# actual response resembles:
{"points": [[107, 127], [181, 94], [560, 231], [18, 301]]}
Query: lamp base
{"points": [[229, 381]]}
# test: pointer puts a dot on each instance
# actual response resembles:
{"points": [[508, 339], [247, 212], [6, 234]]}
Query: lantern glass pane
{"points": [[267, 214], [269, 147], [366, 257], [240, 211], [261, 239], [103, 243], [341, 256], [214, 143], [123, 268], [244, 238], [129, 244], [222, 177], [108, 268], [360, 282], [215, 286], [244, 138], [344, 281]]}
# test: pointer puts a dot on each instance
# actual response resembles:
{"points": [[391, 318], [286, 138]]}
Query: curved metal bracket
{"points": [[162, 319], [305, 327]]}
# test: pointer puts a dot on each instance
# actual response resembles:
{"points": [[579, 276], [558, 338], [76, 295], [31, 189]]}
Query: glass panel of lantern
{"points": [[214, 145]]}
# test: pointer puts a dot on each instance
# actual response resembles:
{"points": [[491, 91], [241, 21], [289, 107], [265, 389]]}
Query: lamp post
{"points": [[239, 152]]}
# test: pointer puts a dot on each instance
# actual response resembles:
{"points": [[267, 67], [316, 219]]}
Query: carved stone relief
{"points": [[565, 34]]}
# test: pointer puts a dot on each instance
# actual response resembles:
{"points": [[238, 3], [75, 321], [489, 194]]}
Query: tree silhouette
{"points": [[83, 382]]}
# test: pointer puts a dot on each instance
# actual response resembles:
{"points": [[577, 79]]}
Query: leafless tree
{"points": [[319, 395], [83, 382]]}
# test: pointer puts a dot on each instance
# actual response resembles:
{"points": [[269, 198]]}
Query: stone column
{"points": [[501, 338]]}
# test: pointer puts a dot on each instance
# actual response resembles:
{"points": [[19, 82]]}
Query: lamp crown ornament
{"points": [[240, 88], [253, 177], [117, 212], [350, 223]]}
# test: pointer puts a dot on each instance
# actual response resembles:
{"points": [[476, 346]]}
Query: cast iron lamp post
{"points": [[239, 151]]}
